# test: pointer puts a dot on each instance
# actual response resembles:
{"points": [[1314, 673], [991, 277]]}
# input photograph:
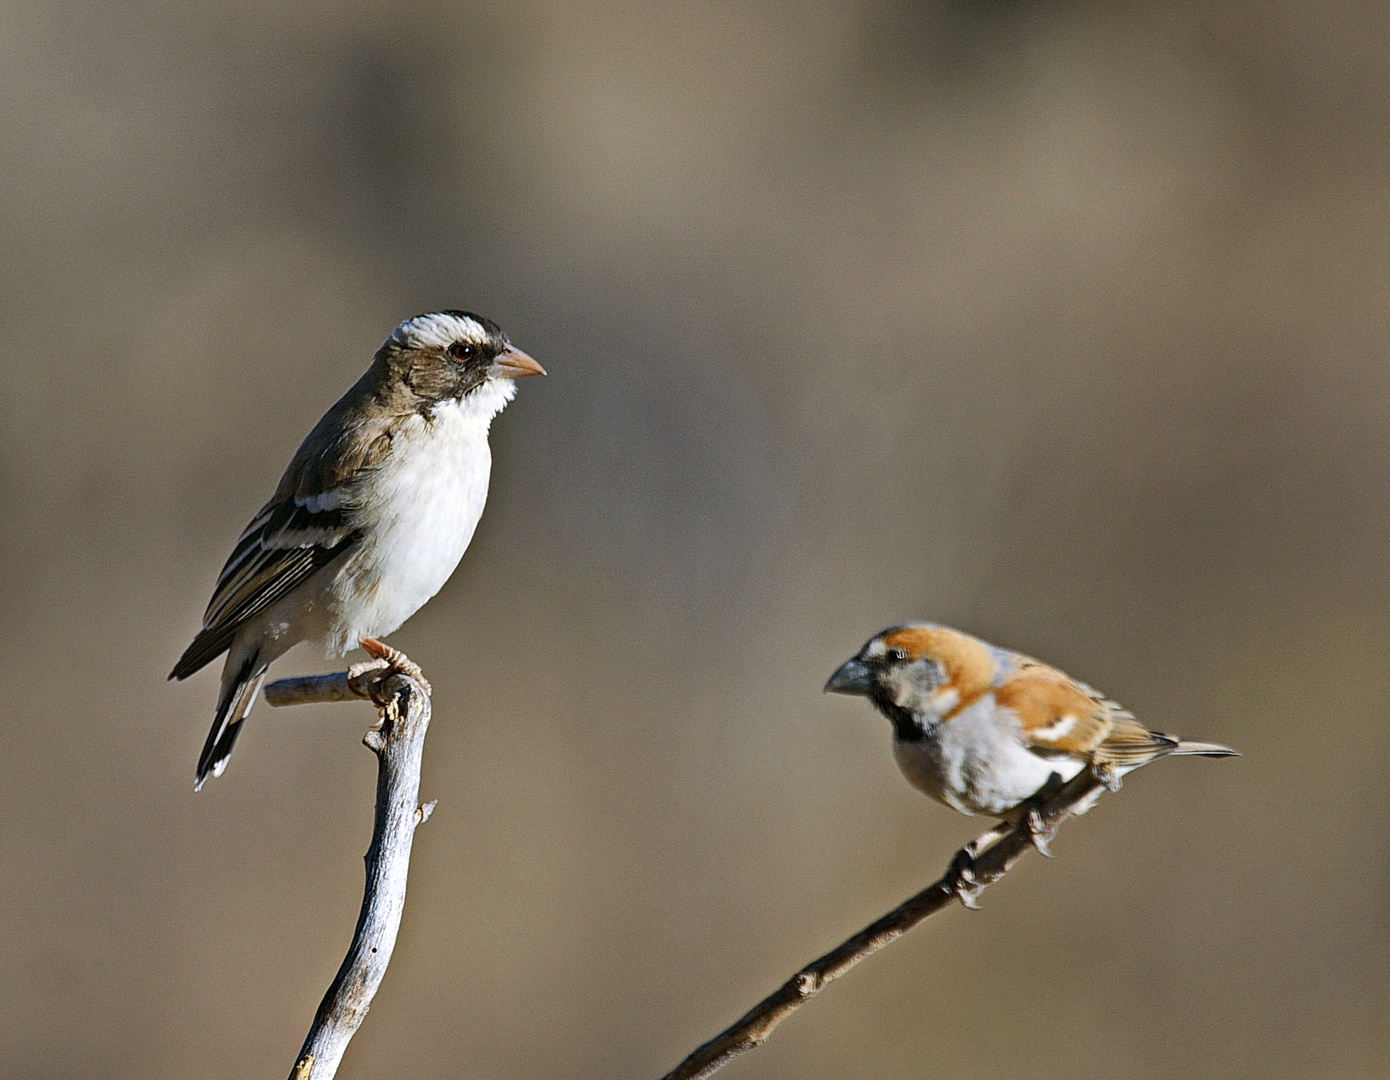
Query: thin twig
{"points": [[970, 871], [398, 742]]}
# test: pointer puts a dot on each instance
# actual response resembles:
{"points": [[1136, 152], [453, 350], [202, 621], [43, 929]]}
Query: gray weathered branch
{"points": [[970, 871], [398, 742], [350, 685]]}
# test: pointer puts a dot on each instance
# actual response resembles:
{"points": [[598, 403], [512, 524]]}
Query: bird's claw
{"points": [[961, 881], [397, 662], [1039, 832]]}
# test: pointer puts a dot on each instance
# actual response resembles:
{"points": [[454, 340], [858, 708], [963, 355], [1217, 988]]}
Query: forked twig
{"points": [[974, 868], [398, 742]]}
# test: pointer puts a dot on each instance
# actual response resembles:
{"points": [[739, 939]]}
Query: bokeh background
{"points": [[1066, 323]]}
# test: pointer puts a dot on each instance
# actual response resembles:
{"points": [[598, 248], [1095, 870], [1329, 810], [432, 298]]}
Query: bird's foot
{"points": [[1107, 774], [397, 662], [960, 878], [1040, 833]]}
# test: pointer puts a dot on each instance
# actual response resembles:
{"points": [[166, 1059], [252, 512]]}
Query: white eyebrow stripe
{"points": [[438, 329]]}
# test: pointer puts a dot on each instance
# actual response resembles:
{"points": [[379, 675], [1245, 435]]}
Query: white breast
{"points": [[425, 503], [976, 763]]}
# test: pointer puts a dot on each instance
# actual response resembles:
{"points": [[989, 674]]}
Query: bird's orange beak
{"points": [[513, 364]]}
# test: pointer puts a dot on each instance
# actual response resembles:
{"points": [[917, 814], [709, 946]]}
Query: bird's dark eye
{"points": [[895, 655], [461, 350]]}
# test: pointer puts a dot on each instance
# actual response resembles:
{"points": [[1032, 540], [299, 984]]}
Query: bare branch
{"points": [[398, 742], [349, 685], [974, 868]]}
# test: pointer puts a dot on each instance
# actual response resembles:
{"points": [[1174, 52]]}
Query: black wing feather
{"points": [[285, 544]]}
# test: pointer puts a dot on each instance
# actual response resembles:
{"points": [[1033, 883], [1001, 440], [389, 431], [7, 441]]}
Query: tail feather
{"points": [[1130, 746], [1204, 749], [233, 707]]}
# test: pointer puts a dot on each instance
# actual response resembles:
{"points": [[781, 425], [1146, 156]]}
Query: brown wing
{"points": [[1061, 715], [305, 526]]}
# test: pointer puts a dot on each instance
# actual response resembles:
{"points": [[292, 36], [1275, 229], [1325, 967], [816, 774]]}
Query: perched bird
{"points": [[370, 518], [983, 729]]}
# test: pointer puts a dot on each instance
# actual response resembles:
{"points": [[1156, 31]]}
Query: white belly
{"points": [[426, 503], [977, 765]]}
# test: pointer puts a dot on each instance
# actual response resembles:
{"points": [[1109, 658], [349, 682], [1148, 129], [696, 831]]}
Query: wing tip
{"points": [[205, 648]]}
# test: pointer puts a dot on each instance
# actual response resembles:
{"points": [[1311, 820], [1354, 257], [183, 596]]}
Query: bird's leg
{"points": [[1039, 832], [1107, 774], [396, 660], [960, 878]]}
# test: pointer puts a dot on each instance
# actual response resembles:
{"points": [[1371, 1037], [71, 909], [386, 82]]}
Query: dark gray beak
{"points": [[852, 677]]}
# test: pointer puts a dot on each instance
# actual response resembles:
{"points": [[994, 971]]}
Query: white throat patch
{"points": [[488, 399]]}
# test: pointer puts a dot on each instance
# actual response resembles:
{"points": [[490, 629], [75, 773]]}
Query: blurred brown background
{"points": [[1065, 323]]}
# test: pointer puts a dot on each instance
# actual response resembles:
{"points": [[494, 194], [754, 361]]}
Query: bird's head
{"points": [[456, 356], [917, 674]]}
